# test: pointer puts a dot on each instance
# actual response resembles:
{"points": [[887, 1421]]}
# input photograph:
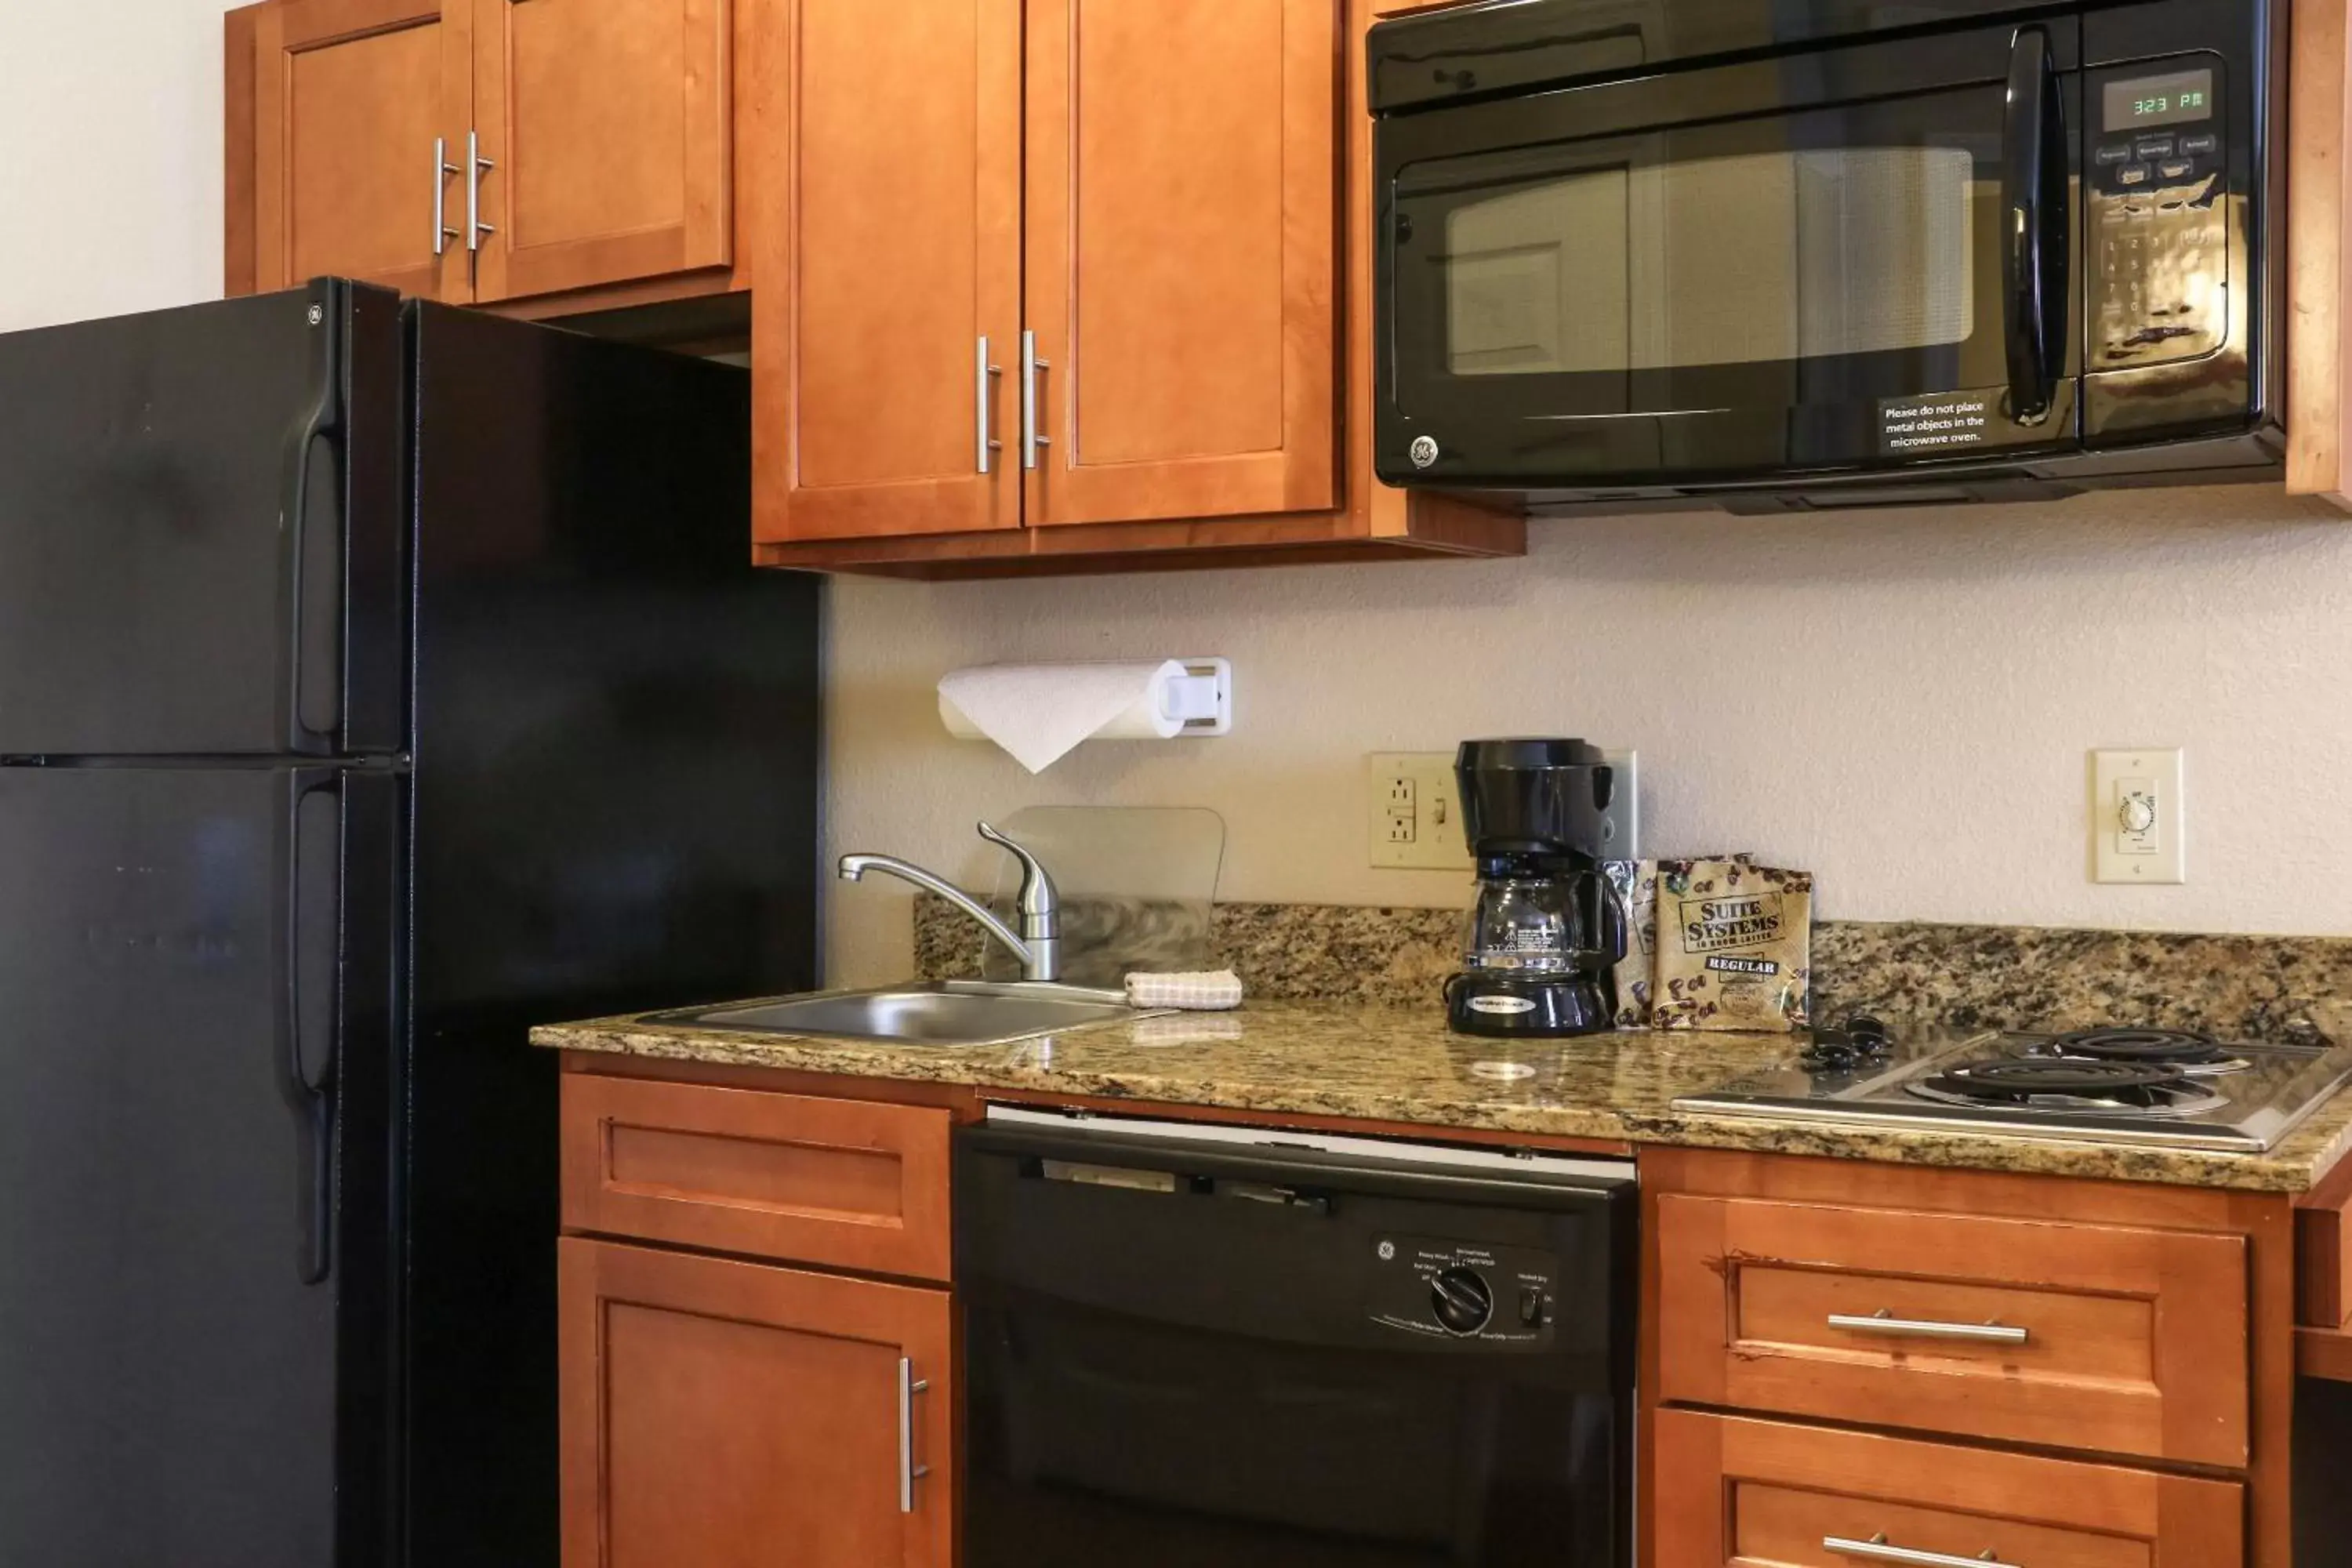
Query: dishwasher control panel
{"points": [[1465, 1292]]}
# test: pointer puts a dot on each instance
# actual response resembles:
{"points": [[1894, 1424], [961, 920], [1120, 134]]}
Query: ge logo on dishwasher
{"points": [[1388, 1252]]}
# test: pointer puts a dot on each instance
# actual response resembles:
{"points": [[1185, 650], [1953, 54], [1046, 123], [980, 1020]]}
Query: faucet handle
{"points": [[1038, 896]]}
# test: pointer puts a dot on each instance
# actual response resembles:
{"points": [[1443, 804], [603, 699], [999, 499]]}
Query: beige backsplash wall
{"points": [[1901, 702]]}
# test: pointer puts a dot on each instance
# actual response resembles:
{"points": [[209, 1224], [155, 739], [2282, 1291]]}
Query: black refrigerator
{"points": [[376, 682]]}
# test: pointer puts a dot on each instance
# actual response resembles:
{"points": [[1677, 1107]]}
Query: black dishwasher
{"points": [[1208, 1347]]}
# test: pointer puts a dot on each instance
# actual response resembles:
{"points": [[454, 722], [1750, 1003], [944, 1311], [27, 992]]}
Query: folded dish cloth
{"points": [[1205, 993]]}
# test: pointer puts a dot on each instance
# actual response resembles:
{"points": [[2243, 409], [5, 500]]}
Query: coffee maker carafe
{"points": [[1540, 941]]}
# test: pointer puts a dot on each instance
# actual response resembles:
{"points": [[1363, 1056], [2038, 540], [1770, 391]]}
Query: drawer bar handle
{"points": [[1886, 1322], [1876, 1550], [909, 1472]]}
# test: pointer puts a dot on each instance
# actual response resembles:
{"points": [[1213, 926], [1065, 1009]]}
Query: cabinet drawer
{"points": [[2104, 1338], [1733, 1493], [837, 1182]]}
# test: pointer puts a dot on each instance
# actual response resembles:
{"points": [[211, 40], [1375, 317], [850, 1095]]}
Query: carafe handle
{"points": [[1605, 915]]}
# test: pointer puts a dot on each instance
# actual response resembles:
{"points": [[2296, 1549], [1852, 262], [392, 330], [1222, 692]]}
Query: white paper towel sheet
{"points": [[1038, 712]]}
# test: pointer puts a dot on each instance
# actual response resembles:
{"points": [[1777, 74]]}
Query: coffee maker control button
{"points": [[1463, 1300]]}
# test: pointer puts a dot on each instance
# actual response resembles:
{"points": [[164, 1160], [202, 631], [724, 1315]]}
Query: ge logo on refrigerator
{"points": [[1423, 452]]}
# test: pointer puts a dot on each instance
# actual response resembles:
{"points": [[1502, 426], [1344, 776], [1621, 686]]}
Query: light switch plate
{"points": [[1414, 817], [2137, 818]]}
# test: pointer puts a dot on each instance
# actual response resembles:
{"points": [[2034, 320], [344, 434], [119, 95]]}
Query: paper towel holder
{"points": [[1203, 699]]}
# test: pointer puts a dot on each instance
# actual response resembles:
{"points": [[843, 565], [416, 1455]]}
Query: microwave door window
{"points": [[1759, 258], [1534, 279], [1835, 259]]}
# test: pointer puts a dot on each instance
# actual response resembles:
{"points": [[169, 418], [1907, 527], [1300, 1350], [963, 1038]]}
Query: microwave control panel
{"points": [[2158, 196]]}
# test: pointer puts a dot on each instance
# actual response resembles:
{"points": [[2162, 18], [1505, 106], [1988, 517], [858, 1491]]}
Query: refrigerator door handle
{"points": [[322, 419], [310, 1094]]}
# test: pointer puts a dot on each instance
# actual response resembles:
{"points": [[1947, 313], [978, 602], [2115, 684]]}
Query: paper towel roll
{"points": [[1038, 712]]}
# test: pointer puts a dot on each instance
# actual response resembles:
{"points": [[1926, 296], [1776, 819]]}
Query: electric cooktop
{"points": [[2171, 1087]]}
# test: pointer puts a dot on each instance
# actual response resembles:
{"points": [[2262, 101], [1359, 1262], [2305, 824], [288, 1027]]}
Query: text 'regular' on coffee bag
{"points": [[1735, 943]]}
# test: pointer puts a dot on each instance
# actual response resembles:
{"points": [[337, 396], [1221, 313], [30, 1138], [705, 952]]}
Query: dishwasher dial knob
{"points": [[1463, 1300]]}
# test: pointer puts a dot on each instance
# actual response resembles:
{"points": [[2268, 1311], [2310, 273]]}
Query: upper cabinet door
{"points": [[888, 235], [606, 140], [1183, 256], [350, 97]]}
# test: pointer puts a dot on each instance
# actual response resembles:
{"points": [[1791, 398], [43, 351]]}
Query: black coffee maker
{"points": [[1539, 944]]}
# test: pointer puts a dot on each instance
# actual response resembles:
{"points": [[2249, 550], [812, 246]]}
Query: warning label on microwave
{"points": [[1935, 423]]}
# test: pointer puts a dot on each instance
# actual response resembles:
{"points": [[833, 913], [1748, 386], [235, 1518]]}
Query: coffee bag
{"points": [[1734, 946], [1635, 883]]}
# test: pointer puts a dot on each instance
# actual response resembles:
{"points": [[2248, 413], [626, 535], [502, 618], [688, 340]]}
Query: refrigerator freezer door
{"points": [[194, 1363], [200, 531]]}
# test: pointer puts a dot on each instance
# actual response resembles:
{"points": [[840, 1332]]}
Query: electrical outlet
{"points": [[1414, 817]]}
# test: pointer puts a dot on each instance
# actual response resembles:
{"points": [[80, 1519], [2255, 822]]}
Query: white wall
{"points": [[1901, 702], [110, 180]]}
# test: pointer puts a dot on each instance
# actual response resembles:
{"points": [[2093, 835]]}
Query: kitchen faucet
{"points": [[1039, 944]]}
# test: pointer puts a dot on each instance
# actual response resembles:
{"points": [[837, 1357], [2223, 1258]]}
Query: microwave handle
{"points": [[2033, 226]]}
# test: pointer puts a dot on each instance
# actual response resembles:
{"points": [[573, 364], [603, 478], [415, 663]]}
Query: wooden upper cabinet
{"points": [[890, 247], [350, 97], [719, 1414], [1182, 259], [607, 129]]}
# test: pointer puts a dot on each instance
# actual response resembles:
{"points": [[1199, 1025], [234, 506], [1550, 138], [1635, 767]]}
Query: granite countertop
{"points": [[1397, 1065]]}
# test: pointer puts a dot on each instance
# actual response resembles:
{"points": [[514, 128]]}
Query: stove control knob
{"points": [[2136, 814], [1463, 1300]]}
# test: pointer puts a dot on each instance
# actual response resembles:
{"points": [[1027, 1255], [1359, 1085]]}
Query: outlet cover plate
{"points": [[1412, 815], [2137, 816]]}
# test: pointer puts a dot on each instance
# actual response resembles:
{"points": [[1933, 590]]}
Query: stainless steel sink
{"points": [[950, 1012]]}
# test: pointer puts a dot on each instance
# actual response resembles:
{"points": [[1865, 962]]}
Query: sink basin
{"points": [[949, 1014]]}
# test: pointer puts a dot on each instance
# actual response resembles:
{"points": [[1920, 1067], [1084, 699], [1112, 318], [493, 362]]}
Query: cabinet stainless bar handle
{"points": [[476, 166], [442, 169], [985, 395], [909, 1472], [1876, 1550], [1886, 1322], [1030, 366]]}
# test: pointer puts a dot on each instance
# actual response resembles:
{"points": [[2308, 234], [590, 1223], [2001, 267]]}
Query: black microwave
{"points": [[1799, 253]]}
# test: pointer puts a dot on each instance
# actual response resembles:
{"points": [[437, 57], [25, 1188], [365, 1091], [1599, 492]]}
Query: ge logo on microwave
{"points": [[1423, 452]]}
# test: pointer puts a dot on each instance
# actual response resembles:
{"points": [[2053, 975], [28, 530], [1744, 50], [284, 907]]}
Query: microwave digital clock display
{"points": [[2172, 99]]}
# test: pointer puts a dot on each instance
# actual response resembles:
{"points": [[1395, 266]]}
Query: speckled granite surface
{"points": [[2248, 987], [1393, 1065]]}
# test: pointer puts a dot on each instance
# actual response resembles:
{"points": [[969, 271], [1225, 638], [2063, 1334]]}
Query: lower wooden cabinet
{"points": [[837, 1184], [2114, 1338], [1732, 1492], [722, 1414]]}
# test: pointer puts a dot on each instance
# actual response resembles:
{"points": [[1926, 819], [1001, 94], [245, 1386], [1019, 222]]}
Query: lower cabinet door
{"points": [[720, 1414], [1730, 1492]]}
